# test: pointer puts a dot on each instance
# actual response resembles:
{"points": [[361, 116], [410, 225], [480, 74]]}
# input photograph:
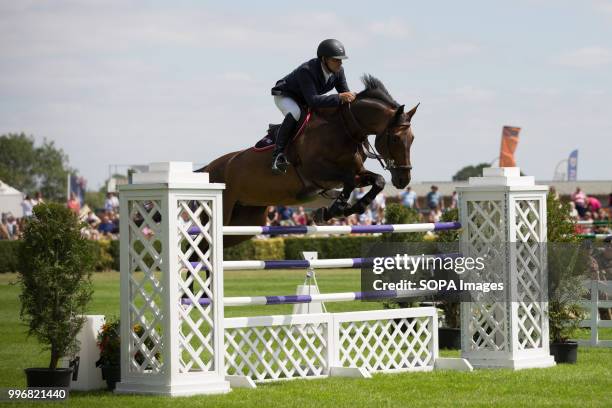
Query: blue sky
{"points": [[131, 82]]}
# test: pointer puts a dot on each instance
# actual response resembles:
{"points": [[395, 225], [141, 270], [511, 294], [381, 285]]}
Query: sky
{"points": [[134, 82]]}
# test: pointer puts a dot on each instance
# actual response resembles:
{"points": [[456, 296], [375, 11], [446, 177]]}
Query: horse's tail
{"points": [[216, 168]]}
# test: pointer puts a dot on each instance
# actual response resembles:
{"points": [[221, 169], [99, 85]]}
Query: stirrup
{"points": [[280, 164]]}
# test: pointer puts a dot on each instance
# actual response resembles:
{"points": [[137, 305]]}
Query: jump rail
{"points": [[335, 229], [317, 263], [323, 297]]}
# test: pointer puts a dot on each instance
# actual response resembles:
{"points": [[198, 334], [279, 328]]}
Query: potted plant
{"points": [[109, 344], [568, 262], [55, 265]]}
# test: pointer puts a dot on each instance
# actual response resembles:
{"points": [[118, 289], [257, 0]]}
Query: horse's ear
{"points": [[398, 114], [412, 111]]}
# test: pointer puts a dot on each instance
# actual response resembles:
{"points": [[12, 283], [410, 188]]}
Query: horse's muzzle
{"points": [[400, 178]]}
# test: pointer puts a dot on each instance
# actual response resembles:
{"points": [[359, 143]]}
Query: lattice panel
{"points": [[529, 259], [196, 343], [382, 345], [488, 327], [486, 227], [267, 353], [146, 306]]}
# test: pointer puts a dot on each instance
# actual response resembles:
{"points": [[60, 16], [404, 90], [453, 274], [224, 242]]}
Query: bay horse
{"points": [[329, 153]]}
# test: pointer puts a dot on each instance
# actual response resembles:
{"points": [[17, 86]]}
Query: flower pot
{"points": [[112, 375], [564, 352], [46, 377], [449, 338]]}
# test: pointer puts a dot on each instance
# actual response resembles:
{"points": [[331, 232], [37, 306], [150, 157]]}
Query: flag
{"points": [[572, 166], [510, 137]]}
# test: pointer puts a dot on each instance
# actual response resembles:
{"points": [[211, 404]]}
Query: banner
{"points": [[572, 166], [510, 137]]}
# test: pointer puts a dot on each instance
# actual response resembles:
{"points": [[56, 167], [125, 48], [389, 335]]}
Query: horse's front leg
{"points": [[364, 179], [338, 207]]}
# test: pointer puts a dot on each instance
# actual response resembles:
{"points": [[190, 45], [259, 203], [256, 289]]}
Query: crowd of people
{"points": [[104, 223], [593, 217]]}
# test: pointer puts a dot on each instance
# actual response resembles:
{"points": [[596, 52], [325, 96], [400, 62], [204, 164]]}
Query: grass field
{"points": [[588, 383]]}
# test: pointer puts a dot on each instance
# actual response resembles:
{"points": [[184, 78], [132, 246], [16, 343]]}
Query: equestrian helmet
{"points": [[331, 48]]}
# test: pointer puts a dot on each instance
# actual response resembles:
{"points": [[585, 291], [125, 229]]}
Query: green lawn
{"points": [[589, 383]]}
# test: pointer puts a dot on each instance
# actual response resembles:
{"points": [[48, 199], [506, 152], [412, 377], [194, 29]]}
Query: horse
{"points": [[328, 154]]}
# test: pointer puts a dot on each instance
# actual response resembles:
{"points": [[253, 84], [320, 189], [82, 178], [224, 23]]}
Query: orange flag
{"points": [[510, 138]]}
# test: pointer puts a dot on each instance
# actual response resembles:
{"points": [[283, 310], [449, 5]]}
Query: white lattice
{"points": [[488, 324], [195, 282], [267, 349], [146, 316], [387, 344], [529, 261]]}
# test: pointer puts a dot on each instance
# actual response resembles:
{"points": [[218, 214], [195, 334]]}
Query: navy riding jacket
{"points": [[306, 85]]}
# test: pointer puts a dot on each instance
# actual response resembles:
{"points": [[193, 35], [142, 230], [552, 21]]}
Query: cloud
{"points": [[586, 57], [470, 93], [393, 28]]}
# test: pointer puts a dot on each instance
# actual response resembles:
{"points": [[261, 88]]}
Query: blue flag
{"points": [[572, 166]]}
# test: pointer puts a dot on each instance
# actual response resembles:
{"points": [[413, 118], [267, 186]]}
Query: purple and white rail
{"points": [[317, 263], [334, 229], [324, 297]]}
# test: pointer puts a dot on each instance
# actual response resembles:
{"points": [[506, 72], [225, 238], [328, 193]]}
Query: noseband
{"points": [[360, 136]]}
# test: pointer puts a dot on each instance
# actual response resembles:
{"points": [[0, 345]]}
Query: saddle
{"points": [[269, 140]]}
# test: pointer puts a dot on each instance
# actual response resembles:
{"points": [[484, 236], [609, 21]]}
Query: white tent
{"points": [[10, 200]]}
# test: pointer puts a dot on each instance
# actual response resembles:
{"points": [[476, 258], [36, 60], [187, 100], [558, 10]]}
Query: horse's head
{"points": [[381, 115], [393, 145]]}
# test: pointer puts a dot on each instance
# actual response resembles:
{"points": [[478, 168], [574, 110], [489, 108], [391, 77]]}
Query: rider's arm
{"points": [[341, 85], [310, 94]]}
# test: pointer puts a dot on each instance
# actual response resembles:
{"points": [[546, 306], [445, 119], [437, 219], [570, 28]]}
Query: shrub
{"points": [[55, 265]]}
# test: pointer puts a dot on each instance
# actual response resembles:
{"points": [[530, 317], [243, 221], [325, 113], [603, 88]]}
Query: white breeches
{"points": [[287, 106]]}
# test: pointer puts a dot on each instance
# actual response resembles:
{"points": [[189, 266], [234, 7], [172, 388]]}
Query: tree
{"points": [[470, 171], [30, 168]]}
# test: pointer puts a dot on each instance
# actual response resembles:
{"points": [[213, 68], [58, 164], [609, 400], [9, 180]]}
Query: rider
{"points": [[306, 85]]}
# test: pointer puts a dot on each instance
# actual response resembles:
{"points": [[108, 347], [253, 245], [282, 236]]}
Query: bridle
{"points": [[360, 136]]}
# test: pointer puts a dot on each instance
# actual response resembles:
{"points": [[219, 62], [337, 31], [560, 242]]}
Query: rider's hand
{"points": [[347, 97]]}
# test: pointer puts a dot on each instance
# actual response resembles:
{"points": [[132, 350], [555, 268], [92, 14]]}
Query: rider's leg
{"points": [[291, 110]]}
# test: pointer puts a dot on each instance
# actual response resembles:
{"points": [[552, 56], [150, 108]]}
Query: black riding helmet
{"points": [[331, 48]]}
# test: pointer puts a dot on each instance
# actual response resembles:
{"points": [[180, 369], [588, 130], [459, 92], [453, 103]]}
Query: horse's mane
{"points": [[375, 89]]}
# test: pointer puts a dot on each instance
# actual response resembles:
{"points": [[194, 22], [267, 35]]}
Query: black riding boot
{"points": [[285, 131]]}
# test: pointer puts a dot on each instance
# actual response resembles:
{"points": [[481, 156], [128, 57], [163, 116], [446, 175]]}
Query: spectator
{"points": [[73, 204], [115, 201], [285, 214], [38, 199], [108, 202], [27, 206], [3, 230], [273, 216], [378, 208], [579, 199], [12, 227], [408, 198], [300, 217], [593, 205], [434, 199], [106, 227]]}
